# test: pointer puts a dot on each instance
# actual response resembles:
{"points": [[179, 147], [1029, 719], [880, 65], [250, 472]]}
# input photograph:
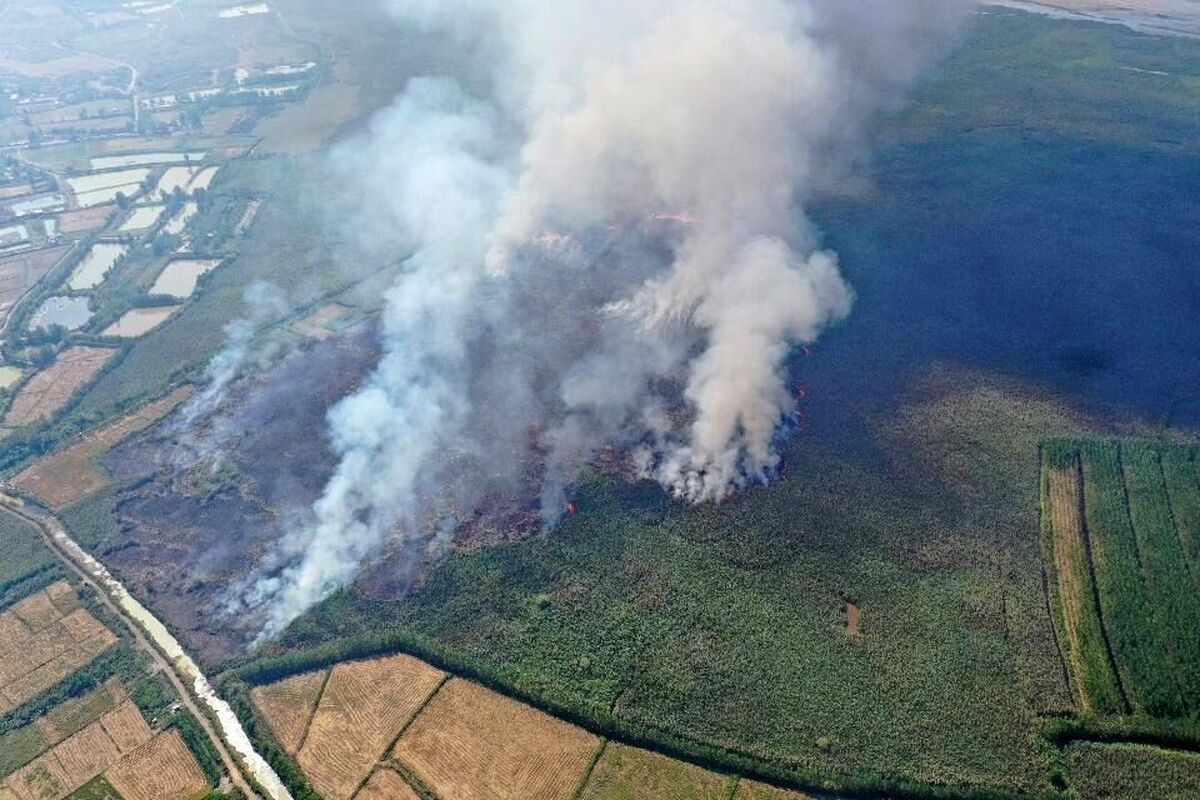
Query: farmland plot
{"points": [[623, 773], [385, 784], [53, 387], [161, 769], [69, 475], [364, 706], [288, 707], [1129, 531], [19, 273], [749, 790], [473, 744]]}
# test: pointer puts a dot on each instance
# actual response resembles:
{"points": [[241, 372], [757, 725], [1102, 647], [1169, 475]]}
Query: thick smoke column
{"points": [[634, 270]]}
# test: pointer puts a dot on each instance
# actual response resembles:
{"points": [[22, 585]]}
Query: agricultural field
{"points": [[1124, 771], [69, 475], [1127, 599], [362, 709], [47, 637], [22, 553], [474, 744], [52, 388], [470, 743], [623, 773]]}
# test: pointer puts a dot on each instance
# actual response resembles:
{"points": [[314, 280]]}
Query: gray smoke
{"points": [[610, 248]]}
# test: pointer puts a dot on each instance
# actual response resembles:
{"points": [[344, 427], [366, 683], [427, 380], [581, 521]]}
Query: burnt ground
{"points": [[199, 512]]}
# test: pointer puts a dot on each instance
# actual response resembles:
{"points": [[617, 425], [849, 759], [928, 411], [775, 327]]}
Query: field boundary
{"points": [[606, 725]]}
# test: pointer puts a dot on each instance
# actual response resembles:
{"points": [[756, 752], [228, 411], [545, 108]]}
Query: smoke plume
{"points": [[608, 246]]}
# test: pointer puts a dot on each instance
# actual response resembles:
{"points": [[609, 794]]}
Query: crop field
{"points": [[71, 474], [623, 773], [1124, 771], [288, 707], [52, 388], [84, 219], [749, 790], [1125, 578], [46, 638], [22, 552], [362, 709], [384, 784], [20, 746], [19, 273], [161, 769], [473, 744]]}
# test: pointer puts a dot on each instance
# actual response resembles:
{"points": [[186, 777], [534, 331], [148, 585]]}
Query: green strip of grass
{"points": [[1164, 567], [1138, 642]]}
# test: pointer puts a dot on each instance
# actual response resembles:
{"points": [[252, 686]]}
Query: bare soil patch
{"points": [[749, 790], [85, 219], [317, 325], [53, 387], [364, 707], [67, 476], [473, 744], [288, 706]]}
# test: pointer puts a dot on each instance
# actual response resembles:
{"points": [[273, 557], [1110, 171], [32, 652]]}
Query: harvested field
{"points": [[126, 726], [9, 192], [85, 219], [288, 707], [41, 646], [470, 743], [161, 769], [386, 785], [67, 476], [19, 273], [86, 754], [624, 773], [1084, 647], [41, 779], [749, 790], [53, 387], [75, 715], [364, 707]]}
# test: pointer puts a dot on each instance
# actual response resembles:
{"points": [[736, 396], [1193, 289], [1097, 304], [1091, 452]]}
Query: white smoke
{"points": [[635, 270]]}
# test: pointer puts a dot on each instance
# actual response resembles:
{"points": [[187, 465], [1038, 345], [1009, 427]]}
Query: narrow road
{"points": [[54, 534]]}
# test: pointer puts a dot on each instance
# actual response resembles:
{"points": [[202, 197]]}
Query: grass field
{"points": [[363, 707], [749, 790], [1132, 772], [623, 773], [473, 744], [22, 552], [1148, 609]]}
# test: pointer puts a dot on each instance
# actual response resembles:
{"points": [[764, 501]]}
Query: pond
{"points": [[139, 320], [180, 277], [70, 312], [95, 265]]}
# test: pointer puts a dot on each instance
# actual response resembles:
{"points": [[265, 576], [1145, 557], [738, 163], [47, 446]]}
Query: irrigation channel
{"points": [[168, 653]]}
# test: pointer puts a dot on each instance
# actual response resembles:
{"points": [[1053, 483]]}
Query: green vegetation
{"points": [[201, 746], [1099, 683], [97, 789], [1164, 566], [23, 554], [1183, 488], [1122, 772], [19, 747], [1137, 638], [93, 524], [121, 661], [721, 631]]}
